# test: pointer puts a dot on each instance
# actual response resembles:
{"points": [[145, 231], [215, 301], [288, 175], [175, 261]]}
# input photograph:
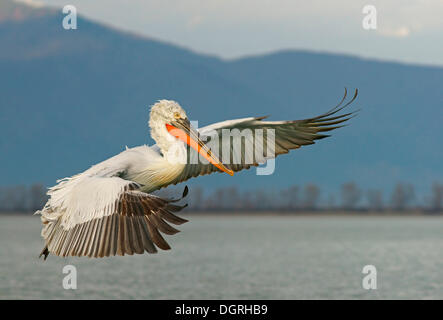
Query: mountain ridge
{"points": [[86, 97]]}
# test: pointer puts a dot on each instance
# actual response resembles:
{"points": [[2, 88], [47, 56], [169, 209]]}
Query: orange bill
{"points": [[182, 130]]}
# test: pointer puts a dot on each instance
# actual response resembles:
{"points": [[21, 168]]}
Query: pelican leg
{"points": [[45, 253]]}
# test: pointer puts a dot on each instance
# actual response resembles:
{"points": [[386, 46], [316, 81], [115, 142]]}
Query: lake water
{"points": [[241, 257]]}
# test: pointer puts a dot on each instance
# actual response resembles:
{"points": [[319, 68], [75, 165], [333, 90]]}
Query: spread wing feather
{"points": [[108, 216], [288, 135]]}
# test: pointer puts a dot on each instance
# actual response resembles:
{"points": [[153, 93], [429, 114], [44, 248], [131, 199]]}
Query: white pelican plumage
{"points": [[109, 210]]}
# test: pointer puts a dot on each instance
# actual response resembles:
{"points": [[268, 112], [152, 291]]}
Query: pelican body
{"points": [[109, 210]]}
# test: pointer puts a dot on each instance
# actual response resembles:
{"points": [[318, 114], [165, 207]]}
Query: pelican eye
{"points": [[177, 115]]}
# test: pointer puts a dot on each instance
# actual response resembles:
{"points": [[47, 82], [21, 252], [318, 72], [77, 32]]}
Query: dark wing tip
{"points": [[261, 118], [340, 106], [185, 192], [330, 120]]}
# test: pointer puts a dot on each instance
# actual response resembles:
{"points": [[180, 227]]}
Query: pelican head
{"points": [[170, 124]]}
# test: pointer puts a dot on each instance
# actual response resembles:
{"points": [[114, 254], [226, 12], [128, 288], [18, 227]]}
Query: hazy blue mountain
{"points": [[69, 99]]}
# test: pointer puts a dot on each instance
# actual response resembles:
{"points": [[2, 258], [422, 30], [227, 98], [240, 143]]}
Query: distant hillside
{"points": [[19, 11], [69, 99]]}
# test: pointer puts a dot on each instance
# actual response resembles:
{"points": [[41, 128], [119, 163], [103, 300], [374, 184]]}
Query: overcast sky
{"points": [[407, 30]]}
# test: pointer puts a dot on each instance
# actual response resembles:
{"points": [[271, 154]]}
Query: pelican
{"points": [[109, 209]]}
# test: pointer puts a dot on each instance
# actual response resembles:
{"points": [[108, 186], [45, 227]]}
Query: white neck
{"points": [[173, 150], [160, 135]]}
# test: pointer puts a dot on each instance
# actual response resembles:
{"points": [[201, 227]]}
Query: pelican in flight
{"points": [[110, 210]]}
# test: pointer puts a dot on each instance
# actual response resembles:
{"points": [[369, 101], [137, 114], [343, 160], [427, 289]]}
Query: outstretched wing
{"points": [[288, 135], [105, 216]]}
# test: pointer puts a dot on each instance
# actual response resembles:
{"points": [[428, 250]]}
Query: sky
{"points": [[406, 30]]}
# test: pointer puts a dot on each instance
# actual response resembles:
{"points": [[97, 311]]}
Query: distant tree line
{"points": [[308, 198], [22, 198], [295, 198]]}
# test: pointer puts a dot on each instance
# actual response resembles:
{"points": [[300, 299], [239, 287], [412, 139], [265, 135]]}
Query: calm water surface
{"points": [[238, 257]]}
